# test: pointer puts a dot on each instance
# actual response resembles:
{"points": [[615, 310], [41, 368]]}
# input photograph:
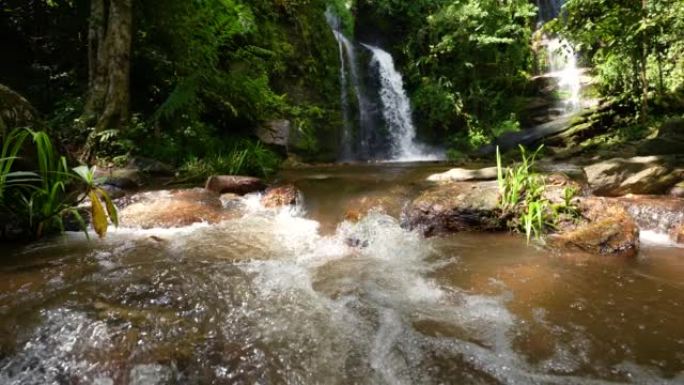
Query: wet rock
{"points": [[151, 374], [557, 183], [172, 208], [124, 178], [670, 140], [114, 192], [230, 200], [275, 132], [607, 229], [15, 110], [240, 185], [462, 175], [637, 175], [388, 202], [658, 213], [150, 166], [103, 381], [455, 207], [280, 196], [677, 233], [677, 190]]}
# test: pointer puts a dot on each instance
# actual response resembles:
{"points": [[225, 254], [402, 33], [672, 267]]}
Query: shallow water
{"points": [[279, 297]]}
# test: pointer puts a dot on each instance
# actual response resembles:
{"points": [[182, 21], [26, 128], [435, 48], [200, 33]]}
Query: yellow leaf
{"points": [[111, 209], [99, 217]]}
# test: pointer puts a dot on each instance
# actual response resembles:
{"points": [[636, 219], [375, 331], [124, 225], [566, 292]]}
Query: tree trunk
{"points": [[109, 52], [644, 63]]}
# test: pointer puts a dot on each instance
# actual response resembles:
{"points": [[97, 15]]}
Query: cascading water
{"points": [[396, 109], [268, 297], [349, 72], [562, 62], [361, 138], [561, 59], [344, 99]]}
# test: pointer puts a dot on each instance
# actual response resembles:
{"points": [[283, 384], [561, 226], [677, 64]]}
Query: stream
{"points": [[300, 296]]}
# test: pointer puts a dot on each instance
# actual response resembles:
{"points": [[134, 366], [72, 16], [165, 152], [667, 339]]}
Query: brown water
{"points": [[278, 297]]}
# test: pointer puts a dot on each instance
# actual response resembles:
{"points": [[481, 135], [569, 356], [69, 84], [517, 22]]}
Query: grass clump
{"points": [[37, 196], [245, 158], [522, 198]]}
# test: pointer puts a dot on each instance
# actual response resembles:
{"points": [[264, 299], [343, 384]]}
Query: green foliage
{"points": [[342, 9], [245, 158], [12, 143], [626, 40], [521, 197], [466, 62], [40, 199]]}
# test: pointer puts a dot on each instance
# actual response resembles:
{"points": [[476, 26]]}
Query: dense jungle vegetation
{"points": [[189, 83]]}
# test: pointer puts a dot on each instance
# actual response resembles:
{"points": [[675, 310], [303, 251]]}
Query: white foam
{"points": [[655, 238]]}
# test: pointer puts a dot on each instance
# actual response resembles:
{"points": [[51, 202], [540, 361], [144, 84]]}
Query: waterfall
{"points": [[361, 138], [562, 62], [396, 109], [561, 59], [349, 73], [347, 129]]}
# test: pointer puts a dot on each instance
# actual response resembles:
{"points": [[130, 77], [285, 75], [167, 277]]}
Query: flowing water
{"points": [[299, 296], [362, 137], [397, 110], [352, 148], [562, 61]]}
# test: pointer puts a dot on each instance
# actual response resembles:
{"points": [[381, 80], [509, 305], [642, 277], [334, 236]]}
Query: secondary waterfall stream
{"points": [[561, 59], [298, 295]]}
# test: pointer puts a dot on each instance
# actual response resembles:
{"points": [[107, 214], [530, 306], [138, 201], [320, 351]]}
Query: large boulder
{"points": [[662, 214], [607, 229], [15, 110], [222, 184], [280, 196], [677, 190], [463, 175], [172, 208], [150, 166], [123, 178], [637, 175], [669, 141], [275, 132], [455, 207]]}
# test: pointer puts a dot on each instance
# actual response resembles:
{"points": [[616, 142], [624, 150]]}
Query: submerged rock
{"points": [[455, 207], [275, 197], [607, 229], [172, 208], [241, 185], [637, 175], [462, 175], [151, 374], [388, 202]]}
